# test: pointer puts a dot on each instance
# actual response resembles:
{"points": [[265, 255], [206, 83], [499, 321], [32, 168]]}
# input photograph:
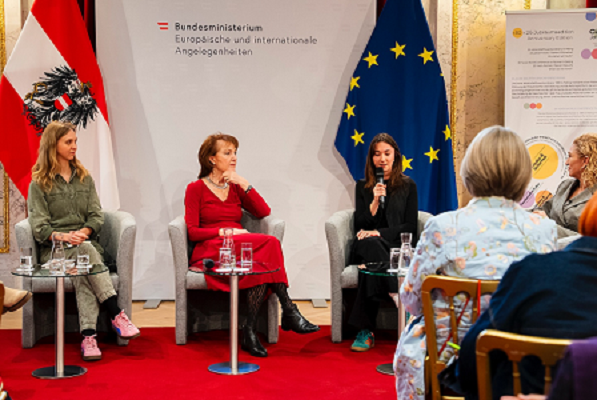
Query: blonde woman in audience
{"points": [[478, 241], [566, 206]]}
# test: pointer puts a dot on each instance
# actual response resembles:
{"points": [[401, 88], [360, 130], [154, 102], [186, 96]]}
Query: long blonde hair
{"points": [[586, 145], [47, 167]]}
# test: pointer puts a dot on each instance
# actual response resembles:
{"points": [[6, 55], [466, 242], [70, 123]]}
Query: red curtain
{"points": [[591, 3]]}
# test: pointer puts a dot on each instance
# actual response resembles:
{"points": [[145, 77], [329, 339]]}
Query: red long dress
{"points": [[205, 214]]}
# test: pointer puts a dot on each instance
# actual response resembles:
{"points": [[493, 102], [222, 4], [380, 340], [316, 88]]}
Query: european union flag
{"points": [[398, 88]]}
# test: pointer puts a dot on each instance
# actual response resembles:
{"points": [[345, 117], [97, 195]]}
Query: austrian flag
{"points": [[51, 75]]}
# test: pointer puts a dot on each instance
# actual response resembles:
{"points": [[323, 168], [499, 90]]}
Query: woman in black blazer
{"points": [[378, 230]]}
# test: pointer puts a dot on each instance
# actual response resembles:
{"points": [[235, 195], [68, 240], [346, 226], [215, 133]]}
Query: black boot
{"points": [[293, 320], [251, 343]]}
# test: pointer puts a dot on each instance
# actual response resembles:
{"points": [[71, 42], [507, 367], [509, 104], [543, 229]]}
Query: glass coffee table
{"points": [[59, 370], [234, 367], [381, 269]]}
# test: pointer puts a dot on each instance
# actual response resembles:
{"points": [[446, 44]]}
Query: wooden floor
{"points": [[164, 315]]}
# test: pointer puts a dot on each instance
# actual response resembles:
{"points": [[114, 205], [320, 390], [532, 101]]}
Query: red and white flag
{"points": [[53, 74]]}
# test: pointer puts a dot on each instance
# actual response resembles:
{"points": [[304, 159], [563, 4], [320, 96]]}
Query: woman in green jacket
{"points": [[64, 206]]}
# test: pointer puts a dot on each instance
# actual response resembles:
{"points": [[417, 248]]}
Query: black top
{"points": [[400, 213]]}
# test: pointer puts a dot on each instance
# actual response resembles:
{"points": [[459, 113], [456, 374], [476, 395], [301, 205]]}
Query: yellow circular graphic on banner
{"points": [[542, 197], [544, 159], [517, 33]]}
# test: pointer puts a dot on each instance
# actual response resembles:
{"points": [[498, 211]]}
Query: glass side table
{"points": [[233, 367], [59, 370], [380, 269]]}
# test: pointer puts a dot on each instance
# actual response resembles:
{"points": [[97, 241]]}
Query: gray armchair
{"points": [[117, 237], [199, 309], [340, 234]]}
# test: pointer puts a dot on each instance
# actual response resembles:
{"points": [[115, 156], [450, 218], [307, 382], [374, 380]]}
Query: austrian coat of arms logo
{"points": [[60, 96]]}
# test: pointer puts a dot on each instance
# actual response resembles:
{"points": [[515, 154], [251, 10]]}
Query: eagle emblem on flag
{"points": [[60, 96]]}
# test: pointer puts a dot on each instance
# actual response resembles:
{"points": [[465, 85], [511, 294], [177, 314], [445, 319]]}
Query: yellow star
{"points": [[447, 132], [349, 110], [432, 154], [354, 82], [357, 137], [406, 163], [426, 55], [371, 59], [399, 50]]}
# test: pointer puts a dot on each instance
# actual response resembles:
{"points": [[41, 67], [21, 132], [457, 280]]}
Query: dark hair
{"points": [[209, 148], [396, 176]]}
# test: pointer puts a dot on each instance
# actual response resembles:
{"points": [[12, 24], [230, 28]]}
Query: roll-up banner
{"points": [[551, 88]]}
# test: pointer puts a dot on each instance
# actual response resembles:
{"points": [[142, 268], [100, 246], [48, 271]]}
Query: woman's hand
{"points": [[365, 234], [378, 191], [233, 177], [239, 231], [61, 236], [78, 237]]}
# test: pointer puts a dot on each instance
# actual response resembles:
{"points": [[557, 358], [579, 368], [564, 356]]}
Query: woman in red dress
{"points": [[214, 202]]}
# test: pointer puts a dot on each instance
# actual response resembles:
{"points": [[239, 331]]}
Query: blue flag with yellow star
{"points": [[398, 88]]}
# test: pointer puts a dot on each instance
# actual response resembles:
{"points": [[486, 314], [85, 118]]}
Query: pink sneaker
{"points": [[123, 327], [89, 349]]}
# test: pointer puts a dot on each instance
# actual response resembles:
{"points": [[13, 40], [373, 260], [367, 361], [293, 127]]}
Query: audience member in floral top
{"points": [[479, 241]]}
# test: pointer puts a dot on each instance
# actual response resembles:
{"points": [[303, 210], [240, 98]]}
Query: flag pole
{"points": [[6, 207]]}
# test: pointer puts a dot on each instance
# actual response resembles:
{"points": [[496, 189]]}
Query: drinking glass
{"points": [[57, 261], [246, 255], [394, 260], [82, 257], [225, 257], [26, 259]]}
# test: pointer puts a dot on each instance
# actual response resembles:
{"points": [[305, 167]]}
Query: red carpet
{"points": [[301, 367]]}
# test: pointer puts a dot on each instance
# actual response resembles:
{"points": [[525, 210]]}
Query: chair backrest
{"points": [[450, 287], [249, 222], [516, 347], [422, 219]]}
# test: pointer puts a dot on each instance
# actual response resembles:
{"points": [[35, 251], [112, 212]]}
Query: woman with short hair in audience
{"points": [[64, 206], [378, 229], [566, 206], [215, 201], [551, 295], [478, 241]]}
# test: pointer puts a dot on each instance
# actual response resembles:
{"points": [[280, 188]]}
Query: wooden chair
{"points": [[451, 287], [516, 347]]}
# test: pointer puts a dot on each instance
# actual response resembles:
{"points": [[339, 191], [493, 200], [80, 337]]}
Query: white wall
{"points": [[283, 103]]}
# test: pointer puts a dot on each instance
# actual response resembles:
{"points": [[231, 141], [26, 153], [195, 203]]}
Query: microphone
{"points": [[208, 263], [379, 178]]}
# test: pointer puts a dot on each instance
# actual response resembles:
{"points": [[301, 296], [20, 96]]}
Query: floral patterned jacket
{"points": [[479, 241]]}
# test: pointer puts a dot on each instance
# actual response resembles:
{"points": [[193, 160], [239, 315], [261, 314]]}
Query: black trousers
{"points": [[371, 290]]}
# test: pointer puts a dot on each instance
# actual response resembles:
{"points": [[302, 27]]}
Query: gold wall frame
{"points": [[454, 74], [6, 194], [527, 5]]}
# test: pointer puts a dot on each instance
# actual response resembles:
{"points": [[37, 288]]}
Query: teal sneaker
{"points": [[364, 341]]}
